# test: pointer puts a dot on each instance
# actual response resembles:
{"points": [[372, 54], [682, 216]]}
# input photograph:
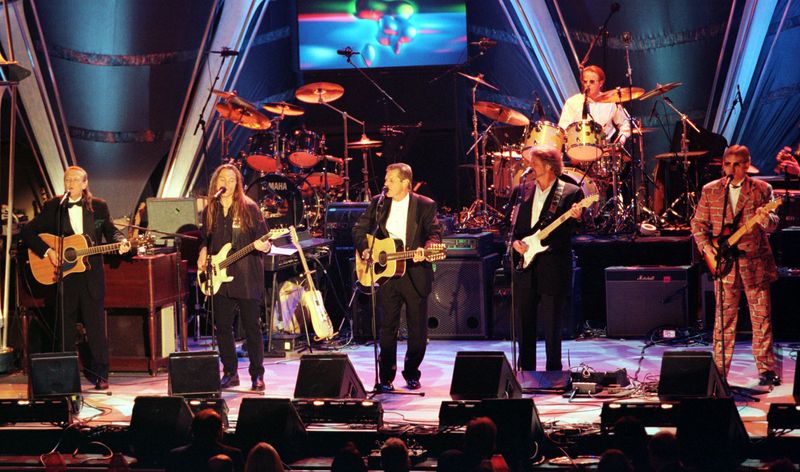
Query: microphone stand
{"points": [[374, 84], [60, 274], [345, 118], [509, 243], [603, 28]]}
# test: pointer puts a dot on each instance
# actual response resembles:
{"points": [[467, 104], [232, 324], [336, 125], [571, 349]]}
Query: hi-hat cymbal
{"points": [[319, 92], [479, 79], [660, 89], [335, 160], [364, 143], [283, 108], [620, 95], [250, 119], [680, 155], [501, 113]]}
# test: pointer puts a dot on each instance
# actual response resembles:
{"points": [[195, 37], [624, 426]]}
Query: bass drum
{"points": [[282, 203], [589, 187]]}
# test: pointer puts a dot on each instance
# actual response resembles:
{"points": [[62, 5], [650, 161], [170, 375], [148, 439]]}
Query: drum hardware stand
{"points": [[480, 207], [688, 194], [345, 118]]}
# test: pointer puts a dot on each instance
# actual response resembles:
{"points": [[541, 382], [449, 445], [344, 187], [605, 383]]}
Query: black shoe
{"points": [[384, 387], [101, 384], [413, 384], [229, 380], [768, 378], [258, 383]]}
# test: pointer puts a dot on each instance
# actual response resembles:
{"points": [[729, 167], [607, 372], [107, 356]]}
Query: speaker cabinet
{"points": [[640, 299], [128, 338], [158, 425], [274, 420], [172, 215], [689, 374], [328, 376], [54, 374], [519, 429], [194, 374], [711, 434], [483, 374]]}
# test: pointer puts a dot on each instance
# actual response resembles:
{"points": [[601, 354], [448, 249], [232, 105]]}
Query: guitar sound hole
{"points": [[69, 255], [382, 258]]}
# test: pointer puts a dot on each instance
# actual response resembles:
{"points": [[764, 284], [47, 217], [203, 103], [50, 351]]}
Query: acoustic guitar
{"points": [[389, 260], [311, 300], [74, 249], [725, 244]]}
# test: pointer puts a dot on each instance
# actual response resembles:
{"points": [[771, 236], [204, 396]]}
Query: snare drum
{"points": [[611, 162], [262, 154], [585, 140], [589, 187], [544, 134], [304, 148]]}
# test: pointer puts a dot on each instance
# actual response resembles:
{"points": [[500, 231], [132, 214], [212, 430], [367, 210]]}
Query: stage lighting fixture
{"points": [[649, 413], [783, 416], [217, 404], [368, 413], [45, 410], [457, 413]]}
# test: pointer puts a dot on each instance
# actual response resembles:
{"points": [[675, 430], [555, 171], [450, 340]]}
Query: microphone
{"points": [[485, 43], [382, 196], [666, 99], [348, 51], [739, 96], [614, 7], [626, 38], [226, 52], [729, 179], [526, 172], [585, 112], [539, 108], [653, 112], [218, 193], [63, 199]]}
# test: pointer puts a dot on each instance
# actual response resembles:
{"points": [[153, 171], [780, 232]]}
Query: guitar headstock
{"points": [[773, 204], [295, 239], [588, 201], [436, 252], [145, 240]]}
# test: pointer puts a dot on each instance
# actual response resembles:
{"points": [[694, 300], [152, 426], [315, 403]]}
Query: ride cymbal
{"points": [[501, 113], [250, 119], [660, 89], [620, 95], [364, 143], [283, 108], [319, 92], [478, 79], [680, 155]]}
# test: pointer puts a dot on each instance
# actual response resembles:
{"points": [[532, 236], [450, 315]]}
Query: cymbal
{"points": [[364, 143], [620, 95], [679, 155], [223, 94], [319, 92], [243, 117], [501, 113], [660, 89], [753, 170], [335, 160], [478, 79], [283, 108]]}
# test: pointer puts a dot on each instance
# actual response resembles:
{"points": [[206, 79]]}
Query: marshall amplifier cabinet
{"points": [[340, 217], [640, 299]]}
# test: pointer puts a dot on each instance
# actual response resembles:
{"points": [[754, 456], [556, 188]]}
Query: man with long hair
{"points": [[79, 212], [235, 218]]}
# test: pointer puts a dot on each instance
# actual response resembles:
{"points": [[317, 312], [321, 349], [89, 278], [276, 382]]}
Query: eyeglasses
{"points": [[734, 164]]}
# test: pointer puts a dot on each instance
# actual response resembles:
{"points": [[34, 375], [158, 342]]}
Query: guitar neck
{"points": [[241, 253], [748, 225], [555, 224], [102, 249]]}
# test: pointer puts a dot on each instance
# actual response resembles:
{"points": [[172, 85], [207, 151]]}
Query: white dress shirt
{"points": [[608, 115], [398, 217]]}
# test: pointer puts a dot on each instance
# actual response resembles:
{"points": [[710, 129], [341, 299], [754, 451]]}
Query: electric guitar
{"points": [[221, 261], [534, 241], [311, 300], [74, 249], [389, 260], [725, 244]]}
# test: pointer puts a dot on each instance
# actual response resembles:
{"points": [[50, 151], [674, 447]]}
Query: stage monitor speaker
{"points": [[54, 374], [640, 299], [796, 385], [171, 215], [46, 410], [483, 374], [274, 420], [689, 374], [328, 376], [711, 434], [194, 374], [519, 430], [158, 425]]}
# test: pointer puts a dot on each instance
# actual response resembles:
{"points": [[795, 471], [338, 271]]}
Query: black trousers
{"points": [[530, 305], [393, 295], [250, 315], [79, 305]]}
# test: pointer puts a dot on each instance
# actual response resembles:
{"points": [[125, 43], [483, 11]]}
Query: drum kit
{"points": [[288, 172]]}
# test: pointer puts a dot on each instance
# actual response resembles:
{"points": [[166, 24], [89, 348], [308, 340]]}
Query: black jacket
{"points": [[422, 227]]}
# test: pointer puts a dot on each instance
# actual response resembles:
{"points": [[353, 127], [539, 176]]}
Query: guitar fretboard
{"points": [[103, 249]]}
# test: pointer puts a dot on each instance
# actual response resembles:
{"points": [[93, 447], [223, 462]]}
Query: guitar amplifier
{"points": [[468, 244], [340, 217]]}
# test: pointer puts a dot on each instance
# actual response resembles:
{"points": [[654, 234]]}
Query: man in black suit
{"points": [[410, 218], [84, 292], [541, 289]]}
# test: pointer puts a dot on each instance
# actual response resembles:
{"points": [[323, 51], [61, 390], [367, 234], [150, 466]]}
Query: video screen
{"points": [[381, 33]]}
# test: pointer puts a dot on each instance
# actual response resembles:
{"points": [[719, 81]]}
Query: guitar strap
{"points": [[551, 210]]}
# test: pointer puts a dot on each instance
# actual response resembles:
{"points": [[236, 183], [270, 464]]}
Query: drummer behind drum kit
{"points": [[291, 177]]}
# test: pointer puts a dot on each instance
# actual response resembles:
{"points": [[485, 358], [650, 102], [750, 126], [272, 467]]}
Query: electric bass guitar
{"points": [[725, 244], [534, 241], [221, 261], [74, 249], [311, 301], [389, 260]]}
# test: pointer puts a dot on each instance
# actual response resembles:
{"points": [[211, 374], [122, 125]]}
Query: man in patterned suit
{"points": [[753, 267]]}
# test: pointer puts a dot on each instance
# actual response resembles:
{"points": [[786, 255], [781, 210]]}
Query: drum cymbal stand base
{"points": [[475, 217]]}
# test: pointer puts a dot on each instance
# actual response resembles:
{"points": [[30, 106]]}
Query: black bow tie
{"points": [[72, 204]]}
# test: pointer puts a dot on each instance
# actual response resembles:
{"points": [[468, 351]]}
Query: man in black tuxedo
{"points": [[410, 218], [541, 289], [84, 292]]}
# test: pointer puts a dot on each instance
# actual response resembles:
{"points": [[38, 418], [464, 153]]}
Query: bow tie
{"points": [[72, 204]]}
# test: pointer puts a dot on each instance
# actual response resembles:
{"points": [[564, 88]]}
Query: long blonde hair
{"points": [[240, 200]]}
